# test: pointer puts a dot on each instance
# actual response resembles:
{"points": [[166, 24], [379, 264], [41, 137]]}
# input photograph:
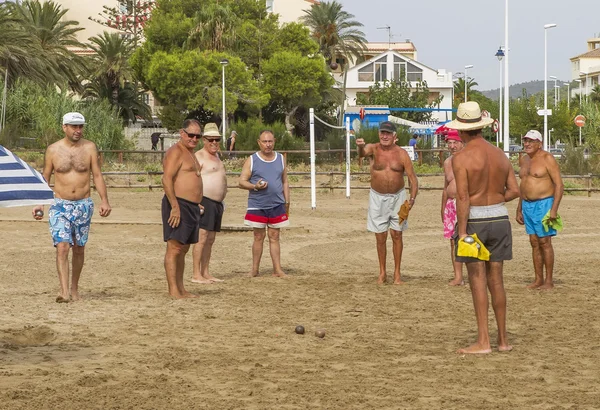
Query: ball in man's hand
{"points": [[262, 183], [300, 329], [39, 213]]}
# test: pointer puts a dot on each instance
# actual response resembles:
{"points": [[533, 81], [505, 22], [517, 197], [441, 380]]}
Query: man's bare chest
{"points": [[71, 160]]}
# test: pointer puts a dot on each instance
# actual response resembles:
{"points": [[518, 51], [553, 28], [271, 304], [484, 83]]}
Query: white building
{"points": [[392, 66], [289, 10], [586, 67]]}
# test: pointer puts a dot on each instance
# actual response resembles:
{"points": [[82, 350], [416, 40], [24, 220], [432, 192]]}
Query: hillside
{"points": [[532, 87]]}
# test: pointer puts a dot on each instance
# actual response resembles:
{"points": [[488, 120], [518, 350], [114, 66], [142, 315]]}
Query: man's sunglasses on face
{"points": [[212, 139], [197, 136]]}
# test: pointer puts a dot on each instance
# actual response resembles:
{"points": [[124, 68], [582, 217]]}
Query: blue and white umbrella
{"points": [[20, 184]]}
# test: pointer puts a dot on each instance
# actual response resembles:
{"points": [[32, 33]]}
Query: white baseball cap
{"points": [[533, 135], [73, 118]]}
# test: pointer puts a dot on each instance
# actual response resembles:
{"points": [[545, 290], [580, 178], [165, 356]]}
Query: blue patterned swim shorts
{"points": [[70, 220]]}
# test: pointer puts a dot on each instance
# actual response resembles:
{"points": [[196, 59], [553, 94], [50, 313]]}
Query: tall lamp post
{"points": [[557, 91], [552, 77], [224, 62], [568, 95], [466, 68], [499, 56], [506, 126], [546, 27], [579, 81]]}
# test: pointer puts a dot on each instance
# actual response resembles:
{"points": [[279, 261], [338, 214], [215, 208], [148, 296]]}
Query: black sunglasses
{"points": [[213, 139], [197, 136]]}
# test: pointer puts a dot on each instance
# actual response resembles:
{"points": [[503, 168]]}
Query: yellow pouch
{"points": [[403, 212], [471, 250]]}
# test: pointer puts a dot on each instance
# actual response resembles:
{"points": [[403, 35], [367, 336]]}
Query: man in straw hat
{"points": [[541, 191], [454, 144], [485, 180], [390, 163], [214, 185]]}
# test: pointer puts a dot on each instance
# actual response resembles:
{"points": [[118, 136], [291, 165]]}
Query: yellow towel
{"points": [[471, 250]]}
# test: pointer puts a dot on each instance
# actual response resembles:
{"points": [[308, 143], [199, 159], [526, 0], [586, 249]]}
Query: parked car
{"points": [[514, 148], [557, 153]]}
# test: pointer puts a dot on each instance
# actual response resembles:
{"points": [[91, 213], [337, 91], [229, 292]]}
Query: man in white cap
{"points": [[72, 159], [541, 193], [214, 183], [485, 180]]}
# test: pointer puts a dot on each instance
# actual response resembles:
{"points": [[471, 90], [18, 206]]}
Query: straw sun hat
{"points": [[468, 117]]}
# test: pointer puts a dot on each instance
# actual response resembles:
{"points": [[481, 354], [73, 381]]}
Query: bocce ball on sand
{"points": [[300, 330], [320, 333]]}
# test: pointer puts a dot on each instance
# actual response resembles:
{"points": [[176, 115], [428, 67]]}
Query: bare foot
{"points": [[456, 282], [213, 279], [546, 286], [382, 279], [202, 281], [504, 348], [280, 274], [188, 295], [534, 285], [399, 282], [75, 295], [475, 349], [62, 299], [253, 274]]}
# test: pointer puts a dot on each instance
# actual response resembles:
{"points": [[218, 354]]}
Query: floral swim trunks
{"points": [[70, 220], [449, 218]]}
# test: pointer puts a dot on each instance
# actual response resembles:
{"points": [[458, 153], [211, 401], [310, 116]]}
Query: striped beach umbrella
{"points": [[20, 184]]}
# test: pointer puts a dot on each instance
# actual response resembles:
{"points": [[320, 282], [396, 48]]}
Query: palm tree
{"points": [[110, 63], [595, 94], [459, 89], [215, 28], [55, 37], [337, 35], [129, 101]]}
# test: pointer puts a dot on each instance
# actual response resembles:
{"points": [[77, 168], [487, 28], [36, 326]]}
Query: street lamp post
{"points": [[568, 95], [506, 126], [557, 91], [500, 56], [552, 77], [586, 84], [224, 62], [466, 68], [546, 27], [579, 81]]}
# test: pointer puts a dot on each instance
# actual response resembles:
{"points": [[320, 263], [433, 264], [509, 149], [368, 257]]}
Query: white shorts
{"points": [[383, 211]]}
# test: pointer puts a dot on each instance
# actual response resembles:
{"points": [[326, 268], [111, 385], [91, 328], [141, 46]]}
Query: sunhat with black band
{"points": [[468, 117]]}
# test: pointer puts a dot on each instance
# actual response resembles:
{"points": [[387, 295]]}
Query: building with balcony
{"points": [[585, 68]]}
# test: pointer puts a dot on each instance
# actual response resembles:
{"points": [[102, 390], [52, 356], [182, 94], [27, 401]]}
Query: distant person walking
{"points": [[541, 192], [454, 144], [214, 184], [72, 159], [485, 180], [387, 195], [230, 144], [264, 174], [180, 206], [413, 142]]}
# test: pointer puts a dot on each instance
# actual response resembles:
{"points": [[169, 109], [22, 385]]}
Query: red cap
{"points": [[452, 135]]}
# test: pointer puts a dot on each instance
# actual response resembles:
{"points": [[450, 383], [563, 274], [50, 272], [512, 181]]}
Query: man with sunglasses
{"points": [[214, 183], [72, 159], [541, 192], [180, 208]]}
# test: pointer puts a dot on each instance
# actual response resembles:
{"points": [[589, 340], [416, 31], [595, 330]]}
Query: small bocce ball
{"points": [[320, 333], [262, 183], [300, 330], [39, 213]]}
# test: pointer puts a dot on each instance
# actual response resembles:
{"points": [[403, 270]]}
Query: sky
{"points": [[450, 34]]}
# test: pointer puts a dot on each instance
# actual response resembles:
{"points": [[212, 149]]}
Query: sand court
{"points": [[127, 345]]}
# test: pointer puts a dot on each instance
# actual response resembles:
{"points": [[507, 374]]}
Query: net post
{"points": [[348, 157], [313, 175]]}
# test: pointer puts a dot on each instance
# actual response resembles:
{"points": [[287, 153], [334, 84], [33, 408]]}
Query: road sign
{"points": [[580, 120], [495, 126], [361, 113], [541, 112]]}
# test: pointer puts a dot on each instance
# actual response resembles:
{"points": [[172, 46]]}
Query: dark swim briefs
{"points": [[212, 216], [492, 226], [187, 231]]}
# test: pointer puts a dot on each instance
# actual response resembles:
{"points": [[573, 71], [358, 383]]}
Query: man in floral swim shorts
{"points": [[72, 159], [454, 144]]}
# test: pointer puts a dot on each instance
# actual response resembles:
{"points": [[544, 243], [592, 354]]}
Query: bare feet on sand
{"points": [[184, 295], [75, 295], [62, 299], [253, 274], [202, 281], [398, 281], [504, 348], [534, 285], [475, 349], [382, 279], [456, 282], [546, 286], [280, 274]]}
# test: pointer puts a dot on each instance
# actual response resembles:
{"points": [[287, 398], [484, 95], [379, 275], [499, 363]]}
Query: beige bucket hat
{"points": [[468, 117], [211, 130]]}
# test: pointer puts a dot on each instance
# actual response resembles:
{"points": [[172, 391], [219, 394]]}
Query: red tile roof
{"points": [[590, 54]]}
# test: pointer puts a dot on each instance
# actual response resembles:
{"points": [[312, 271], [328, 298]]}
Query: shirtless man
{"points": [[390, 163], [72, 159], [485, 180], [214, 183], [182, 183], [455, 144], [541, 192]]}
